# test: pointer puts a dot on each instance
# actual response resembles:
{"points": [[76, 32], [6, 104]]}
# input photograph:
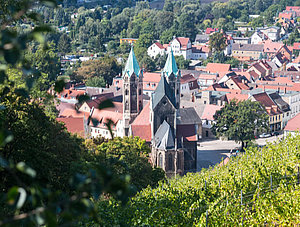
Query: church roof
{"points": [[170, 66], [163, 89], [164, 137], [132, 66]]}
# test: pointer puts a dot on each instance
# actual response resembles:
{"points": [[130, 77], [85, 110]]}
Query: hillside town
{"points": [[149, 113], [187, 100]]}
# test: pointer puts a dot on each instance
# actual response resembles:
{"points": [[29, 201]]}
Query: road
{"points": [[213, 151]]}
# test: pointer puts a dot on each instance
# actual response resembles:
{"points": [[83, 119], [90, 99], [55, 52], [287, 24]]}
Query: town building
{"points": [[247, 52]]}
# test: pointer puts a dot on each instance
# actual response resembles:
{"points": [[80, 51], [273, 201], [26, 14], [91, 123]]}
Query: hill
{"points": [[256, 188]]}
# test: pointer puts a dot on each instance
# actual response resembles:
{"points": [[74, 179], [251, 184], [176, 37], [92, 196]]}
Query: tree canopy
{"points": [[240, 121]]}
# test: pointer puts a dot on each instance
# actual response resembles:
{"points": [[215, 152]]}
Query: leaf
{"points": [[11, 195], [59, 86], [22, 167], [22, 92], [42, 28], [2, 76], [22, 198], [106, 104], [12, 55]]}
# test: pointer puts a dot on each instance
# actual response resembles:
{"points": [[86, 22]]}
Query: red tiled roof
{"points": [[183, 42], [272, 47], [68, 93], [102, 116], [210, 30], [188, 132], [187, 78], [73, 125], [144, 117], [141, 125], [264, 99], [159, 45], [209, 112], [254, 74], [293, 124], [296, 46], [151, 77], [239, 83], [73, 113], [217, 67], [238, 97]]}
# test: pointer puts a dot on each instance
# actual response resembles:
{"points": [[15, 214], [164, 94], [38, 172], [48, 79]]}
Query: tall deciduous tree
{"points": [[240, 120], [64, 44], [217, 42]]}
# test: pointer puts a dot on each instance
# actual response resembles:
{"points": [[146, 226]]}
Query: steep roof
{"points": [[170, 66], [73, 125], [141, 126], [183, 42], [159, 45], [209, 112], [164, 137], [132, 66], [163, 89], [218, 67], [272, 47], [188, 116], [293, 124]]}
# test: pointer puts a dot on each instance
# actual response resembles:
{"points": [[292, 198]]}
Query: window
{"points": [[126, 92], [160, 160], [206, 133], [140, 91], [206, 122]]}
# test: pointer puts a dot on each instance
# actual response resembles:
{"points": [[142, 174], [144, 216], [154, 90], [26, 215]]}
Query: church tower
{"points": [[132, 91], [173, 76]]}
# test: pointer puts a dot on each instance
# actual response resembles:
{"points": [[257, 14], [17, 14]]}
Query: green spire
{"points": [[132, 66], [170, 66]]}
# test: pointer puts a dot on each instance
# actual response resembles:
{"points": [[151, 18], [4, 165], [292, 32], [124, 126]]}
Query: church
{"points": [[171, 132]]}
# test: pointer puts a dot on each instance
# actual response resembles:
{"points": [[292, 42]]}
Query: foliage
{"points": [[181, 62], [45, 59], [106, 67], [213, 196], [240, 120], [64, 44], [217, 42], [133, 154], [95, 82]]}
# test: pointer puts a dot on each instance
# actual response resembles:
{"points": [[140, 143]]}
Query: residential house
{"points": [[274, 113], [273, 32], [261, 69], [236, 83], [200, 52], [74, 125], [181, 46], [188, 84], [271, 48], [241, 40], [128, 40], [247, 52], [150, 82], [208, 120], [258, 37], [156, 49], [201, 39]]}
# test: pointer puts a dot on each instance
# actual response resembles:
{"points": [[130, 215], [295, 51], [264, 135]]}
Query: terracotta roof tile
{"points": [[209, 112], [188, 132], [142, 131], [73, 125], [293, 124], [218, 67]]}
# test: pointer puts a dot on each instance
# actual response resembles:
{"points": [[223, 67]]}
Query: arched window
{"points": [[126, 92], [140, 91], [170, 162], [177, 92], [160, 160]]}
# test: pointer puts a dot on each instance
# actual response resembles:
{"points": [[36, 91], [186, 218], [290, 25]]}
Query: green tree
{"points": [[217, 42], [106, 67], [45, 60], [240, 120], [64, 44], [181, 62], [95, 82], [134, 154]]}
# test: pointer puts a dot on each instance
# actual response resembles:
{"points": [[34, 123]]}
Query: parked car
{"points": [[265, 135]]}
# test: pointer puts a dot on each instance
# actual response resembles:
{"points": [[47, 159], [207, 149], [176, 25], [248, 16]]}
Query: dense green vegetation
{"points": [[267, 179], [240, 121]]}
